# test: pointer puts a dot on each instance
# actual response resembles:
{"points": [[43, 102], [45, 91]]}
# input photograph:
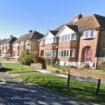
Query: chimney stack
{"points": [[30, 31], [77, 17], [11, 36]]}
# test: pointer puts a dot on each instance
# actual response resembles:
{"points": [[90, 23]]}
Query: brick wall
{"points": [[70, 45], [37, 65], [92, 43], [34, 45]]}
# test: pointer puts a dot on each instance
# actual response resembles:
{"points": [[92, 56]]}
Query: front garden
{"points": [[13, 68]]}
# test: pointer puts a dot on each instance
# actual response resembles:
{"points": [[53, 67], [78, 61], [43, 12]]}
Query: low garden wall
{"points": [[37, 65], [77, 72]]}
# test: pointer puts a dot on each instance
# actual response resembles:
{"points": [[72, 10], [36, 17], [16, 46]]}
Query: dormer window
{"points": [[88, 34]]}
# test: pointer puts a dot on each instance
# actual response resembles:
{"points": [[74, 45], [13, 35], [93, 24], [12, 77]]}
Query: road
{"points": [[13, 92]]}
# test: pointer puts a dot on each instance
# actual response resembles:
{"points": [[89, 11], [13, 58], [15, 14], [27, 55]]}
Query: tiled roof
{"points": [[10, 40], [92, 21], [29, 36], [53, 32], [2, 41]]}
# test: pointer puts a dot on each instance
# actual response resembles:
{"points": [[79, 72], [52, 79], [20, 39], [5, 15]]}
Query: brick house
{"points": [[28, 41], [1, 46], [81, 41], [7, 46], [48, 45]]}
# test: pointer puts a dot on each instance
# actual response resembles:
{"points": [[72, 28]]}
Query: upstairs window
{"points": [[88, 34], [28, 41], [23, 43], [67, 37], [50, 53]]}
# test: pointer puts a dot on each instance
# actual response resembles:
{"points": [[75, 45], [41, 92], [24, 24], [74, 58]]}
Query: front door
{"points": [[88, 54]]}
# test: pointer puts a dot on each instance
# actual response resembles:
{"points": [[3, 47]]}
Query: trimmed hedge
{"points": [[103, 66]]}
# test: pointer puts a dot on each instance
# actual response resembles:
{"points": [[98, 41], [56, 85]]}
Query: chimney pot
{"points": [[10, 35], [30, 31], [77, 17]]}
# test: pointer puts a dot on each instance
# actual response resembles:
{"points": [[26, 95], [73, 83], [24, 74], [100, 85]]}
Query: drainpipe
{"points": [[98, 47]]}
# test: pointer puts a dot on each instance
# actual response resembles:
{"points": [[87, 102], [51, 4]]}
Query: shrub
{"points": [[103, 66], [34, 56], [56, 71], [26, 60], [52, 63], [47, 61]]}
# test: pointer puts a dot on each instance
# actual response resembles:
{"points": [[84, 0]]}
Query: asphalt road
{"points": [[16, 93]]}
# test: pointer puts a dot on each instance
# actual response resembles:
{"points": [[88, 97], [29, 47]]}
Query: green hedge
{"points": [[103, 66]]}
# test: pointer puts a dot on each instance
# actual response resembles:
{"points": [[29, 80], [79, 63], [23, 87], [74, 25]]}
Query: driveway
{"points": [[17, 93]]}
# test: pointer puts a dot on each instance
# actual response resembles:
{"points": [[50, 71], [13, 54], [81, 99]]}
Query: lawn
{"points": [[63, 67], [81, 90], [97, 72], [13, 68]]}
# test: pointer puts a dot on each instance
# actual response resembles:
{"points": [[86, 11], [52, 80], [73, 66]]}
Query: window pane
{"points": [[59, 53], [71, 53], [86, 34], [64, 53], [68, 37], [73, 36], [53, 53], [67, 53], [65, 37], [92, 33]]}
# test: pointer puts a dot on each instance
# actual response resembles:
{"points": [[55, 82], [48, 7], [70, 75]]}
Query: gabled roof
{"points": [[10, 40], [29, 36], [2, 41], [53, 32], [73, 27], [92, 21]]}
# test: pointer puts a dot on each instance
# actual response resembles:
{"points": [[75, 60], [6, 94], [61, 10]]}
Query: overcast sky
{"points": [[17, 17]]}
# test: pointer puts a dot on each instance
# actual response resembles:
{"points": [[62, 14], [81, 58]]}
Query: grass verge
{"points": [[80, 90], [13, 68]]}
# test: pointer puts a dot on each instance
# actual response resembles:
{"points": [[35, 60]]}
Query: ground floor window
{"points": [[66, 53], [50, 53]]}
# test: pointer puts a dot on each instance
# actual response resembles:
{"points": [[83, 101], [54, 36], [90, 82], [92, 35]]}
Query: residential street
{"points": [[16, 93]]}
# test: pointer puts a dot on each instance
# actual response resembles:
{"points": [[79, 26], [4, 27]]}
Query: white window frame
{"points": [[89, 36], [7, 44], [61, 37], [28, 42], [69, 51], [73, 53]]}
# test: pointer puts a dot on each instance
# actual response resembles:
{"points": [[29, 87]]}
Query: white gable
{"points": [[65, 30], [49, 35]]}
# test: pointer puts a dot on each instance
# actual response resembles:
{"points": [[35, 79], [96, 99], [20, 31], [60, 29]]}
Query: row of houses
{"points": [[81, 41]]}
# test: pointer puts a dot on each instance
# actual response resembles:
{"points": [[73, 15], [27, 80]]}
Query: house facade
{"points": [[81, 41], [7, 46], [28, 41], [48, 45]]}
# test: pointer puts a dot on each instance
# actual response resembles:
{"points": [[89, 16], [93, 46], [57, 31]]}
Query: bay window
{"points": [[66, 53], [50, 53]]}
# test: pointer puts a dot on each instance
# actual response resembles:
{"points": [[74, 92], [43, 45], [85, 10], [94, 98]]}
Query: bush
{"points": [[26, 60], [34, 56], [56, 71], [24, 53], [47, 61], [52, 63], [103, 66]]}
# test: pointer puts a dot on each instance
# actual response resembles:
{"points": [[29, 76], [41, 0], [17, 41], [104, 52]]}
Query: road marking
{"points": [[3, 81]]}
